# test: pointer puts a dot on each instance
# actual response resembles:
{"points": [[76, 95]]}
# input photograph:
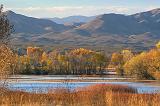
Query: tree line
{"points": [[144, 65], [75, 62]]}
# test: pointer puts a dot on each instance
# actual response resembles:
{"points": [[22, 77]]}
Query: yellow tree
{"points": [[24, 65], [154, 62], [138, 67], [127, 55], [6, 54], [100, 61], [35, 53], [158, 45], [116, 60], [44, 57], [44, 61], [7, 60], [53, 62], [80, 60]]}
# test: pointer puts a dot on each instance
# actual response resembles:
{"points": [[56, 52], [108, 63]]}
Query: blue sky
{"points": [[64, 8]]}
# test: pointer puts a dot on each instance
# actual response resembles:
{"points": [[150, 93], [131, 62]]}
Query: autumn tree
{"points": [[127, 55], [54, 62], [76, 61], [100, 61], [158, 45], [145, 65], [153, 60], [24, 65], [119, 59], [137, 67], [35, 53], [7, 57], [116, 60], [7, 61]]}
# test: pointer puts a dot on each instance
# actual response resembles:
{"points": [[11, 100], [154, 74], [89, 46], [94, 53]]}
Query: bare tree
{"points": [[5, 27]]}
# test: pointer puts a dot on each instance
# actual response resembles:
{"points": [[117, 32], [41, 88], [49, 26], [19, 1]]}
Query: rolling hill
{"points": [[140, 30], [30, 25], [125, 25]]}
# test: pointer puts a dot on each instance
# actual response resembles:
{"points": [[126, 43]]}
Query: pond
{"points": [[44, 83]]}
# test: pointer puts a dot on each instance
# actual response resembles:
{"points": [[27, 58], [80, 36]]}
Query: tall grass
{"points": [[96, 95]]}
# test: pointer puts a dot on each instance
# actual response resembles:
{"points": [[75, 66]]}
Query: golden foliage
{"points": [[158, 45], [44, 57], [144, 65], [7, 61], [127, 55], [81, 51], [34, 52], [116, 60]]}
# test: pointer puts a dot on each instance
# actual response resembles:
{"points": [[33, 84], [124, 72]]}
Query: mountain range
{"points": [[24, 24], [72, 19], [137, 30]]}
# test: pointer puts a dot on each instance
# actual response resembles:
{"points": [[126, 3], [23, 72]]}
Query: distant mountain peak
{"points": [[72, 19], [103, 16], [31, 25], [155, 11], [10, 12]]}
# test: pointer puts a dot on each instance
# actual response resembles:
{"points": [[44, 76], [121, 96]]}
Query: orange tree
{"points": [[7, 57]]}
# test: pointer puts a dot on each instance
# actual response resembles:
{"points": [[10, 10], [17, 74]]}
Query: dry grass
{"points": [[96, 95]]}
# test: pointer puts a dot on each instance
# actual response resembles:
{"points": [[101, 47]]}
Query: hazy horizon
{"points": [[65, 8]]}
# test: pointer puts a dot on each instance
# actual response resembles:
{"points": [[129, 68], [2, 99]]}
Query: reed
{"points": [[95, 95]]}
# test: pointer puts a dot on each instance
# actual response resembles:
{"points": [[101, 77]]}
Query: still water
{"points": [[45, 83]]}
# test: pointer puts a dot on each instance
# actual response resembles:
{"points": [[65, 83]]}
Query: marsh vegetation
{"points": [[96, 95]]}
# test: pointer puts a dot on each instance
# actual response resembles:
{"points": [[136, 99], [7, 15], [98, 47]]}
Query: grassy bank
{"points": [[96, 95]]}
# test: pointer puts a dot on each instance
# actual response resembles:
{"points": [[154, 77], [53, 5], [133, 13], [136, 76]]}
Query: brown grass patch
{"points": [[95, 95]]}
